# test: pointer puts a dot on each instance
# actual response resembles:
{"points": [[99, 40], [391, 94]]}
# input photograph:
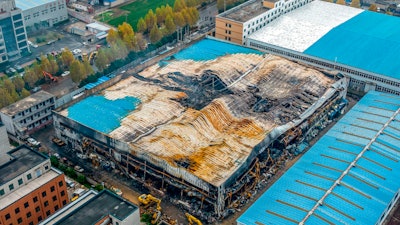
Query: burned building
{"points": [[205, 129]]}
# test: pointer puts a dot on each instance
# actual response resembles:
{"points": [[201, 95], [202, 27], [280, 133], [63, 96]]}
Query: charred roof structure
{"points": [[205, 128]]}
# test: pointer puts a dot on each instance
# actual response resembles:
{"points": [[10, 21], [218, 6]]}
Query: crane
{"points": [[193, 219], [147, 199], [46, 74]]}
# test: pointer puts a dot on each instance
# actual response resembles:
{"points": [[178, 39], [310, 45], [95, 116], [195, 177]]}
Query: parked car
{"points": [[78, 169], [65, 73], [76, 51], [58, 141], [32, 142]]}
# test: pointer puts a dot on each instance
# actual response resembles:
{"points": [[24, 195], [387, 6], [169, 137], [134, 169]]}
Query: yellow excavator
{"points": [[146, 200], [193, 219]]}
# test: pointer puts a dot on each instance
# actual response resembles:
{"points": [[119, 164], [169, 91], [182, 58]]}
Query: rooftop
{"points": [[245, 11], [103, 204], [349, 176], [98, 26], [29, 188], [22, 159], [300, 28], [28, 4], [26, 103]]}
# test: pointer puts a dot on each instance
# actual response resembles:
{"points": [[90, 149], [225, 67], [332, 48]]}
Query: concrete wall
{"points": [[4, 143], [8, 123]]}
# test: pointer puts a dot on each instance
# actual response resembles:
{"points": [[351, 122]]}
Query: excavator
{"points": [[46, 74], [146, 200], [193, 219]]}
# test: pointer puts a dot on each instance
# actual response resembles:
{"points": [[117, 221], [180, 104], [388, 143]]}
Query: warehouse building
{"points": [[28, 115], [96, 208], [30, 189], [42, 13], [350, 176], [202, 123], [329, 36]]}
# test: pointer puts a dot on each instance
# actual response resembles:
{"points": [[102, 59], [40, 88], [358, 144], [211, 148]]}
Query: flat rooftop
{"points": [[352, 171], [28, 188], [103, 204], [26, 103], [21, 160], [302, 27], [29, 4], [245, 11]]}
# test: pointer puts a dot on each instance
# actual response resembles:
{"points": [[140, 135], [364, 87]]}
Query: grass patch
{"points": [[136, 10], [105, 17]]}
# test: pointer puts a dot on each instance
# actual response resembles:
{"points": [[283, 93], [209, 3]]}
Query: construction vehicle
{"points": [[147, 199], [48, 75], [193, 219]]}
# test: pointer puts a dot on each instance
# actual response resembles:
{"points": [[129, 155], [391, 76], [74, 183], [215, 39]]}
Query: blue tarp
{"points": [[369, 41], [364, 192], [99, 81]]}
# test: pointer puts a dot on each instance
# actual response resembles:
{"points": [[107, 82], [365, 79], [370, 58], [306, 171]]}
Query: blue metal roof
{"points": [[99, 81], [352, 171], [368, 41], [28, 4]]}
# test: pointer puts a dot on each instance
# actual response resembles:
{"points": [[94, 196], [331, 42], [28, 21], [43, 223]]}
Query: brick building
{"points": [[30, 189]]}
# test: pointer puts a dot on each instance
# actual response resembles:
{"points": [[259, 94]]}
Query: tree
{"points": [[155, 34], [88, 70], [44, 63], [30, 77], [141, 42], [170, 25], [24, 93], [141, 26], [169, 11], [101, 60], [6, 98], [161, 15], [77, 71], [341, 2], [67, 57], [18, 83], [127, 35], [373, 8], [112, 36], [179, 21], [81, 179], [150, 19], [355, 3], [179, 5], [53, 68]]}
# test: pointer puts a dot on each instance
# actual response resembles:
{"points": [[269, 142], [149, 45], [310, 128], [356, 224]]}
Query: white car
{"points": [[66, 73], [78, 169], [76, 51], [33, 142]]}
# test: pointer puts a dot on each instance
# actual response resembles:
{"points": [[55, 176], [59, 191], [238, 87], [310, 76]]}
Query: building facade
{"points": [[42, 13], [4, 143], [30, 190], [29, 114], [238, 23], [13, 39]]}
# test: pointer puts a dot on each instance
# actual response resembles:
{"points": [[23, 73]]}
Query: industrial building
{"points": [[43, 13], [350, 176], [96, 208], [4, 143], [202, 124], [329, 36], [13, 40], [30, 189], [28, 115]]}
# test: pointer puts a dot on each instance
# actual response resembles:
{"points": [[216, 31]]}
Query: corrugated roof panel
{"points": [[365, 190]]}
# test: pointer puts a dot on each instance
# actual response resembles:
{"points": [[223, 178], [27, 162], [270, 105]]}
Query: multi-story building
{"points": [[43, 13], [96, 208], [30, 189], [4, 143], [238, 23], [13, 39], [29, 114]]}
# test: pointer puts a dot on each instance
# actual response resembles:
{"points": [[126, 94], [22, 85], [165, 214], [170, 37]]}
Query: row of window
{"points": [[326, 64]]}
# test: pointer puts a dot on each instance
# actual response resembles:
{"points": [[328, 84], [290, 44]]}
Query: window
{"points": [[46, 167], [8, 216], [11, 187], [56, 208], [60, 183], [35, 199], [64, 202], [46, 203], [26, 205], [19, 220], [37, 209], [29, 214], [44, 194], [40, 218], [29, 176], [31, 223], [17, 210], [48, 213], [54, 198], [62, 193], [20, 181], [52, 188], [2, 192]]}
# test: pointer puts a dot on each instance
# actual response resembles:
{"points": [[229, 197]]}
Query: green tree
{"points": [[81, 179], [44, 63], [373, 8], [6, 98], [24, 93], [155, 34], [18, 83], [77, 71], [66, 58], [355, 3], [101, 60], [150, 19], [170, 25], [141, 25], [30, 77], [53, 68], [88, 70]]}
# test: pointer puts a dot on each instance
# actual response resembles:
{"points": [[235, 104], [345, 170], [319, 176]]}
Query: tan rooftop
{"points": [[245, 11], [26, 103]]}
